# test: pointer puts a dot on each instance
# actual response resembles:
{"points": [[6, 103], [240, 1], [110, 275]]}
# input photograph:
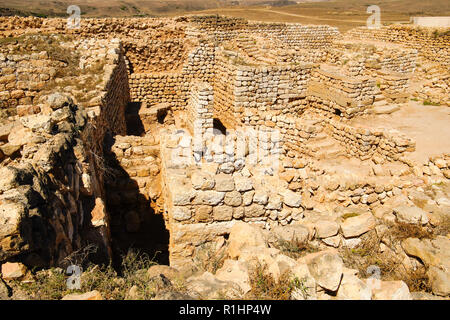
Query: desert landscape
{"points": [[229, 150]]}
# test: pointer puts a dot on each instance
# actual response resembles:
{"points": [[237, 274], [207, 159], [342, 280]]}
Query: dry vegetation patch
{"points": [[130, 282], [390, 263], [265, 287], [208, 258], [295, 248]]}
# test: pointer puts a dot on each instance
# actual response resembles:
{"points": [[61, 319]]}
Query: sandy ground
{"points": [[429, 126]]}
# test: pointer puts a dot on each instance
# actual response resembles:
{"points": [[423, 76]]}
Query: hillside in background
{"points": [[344, 14]]}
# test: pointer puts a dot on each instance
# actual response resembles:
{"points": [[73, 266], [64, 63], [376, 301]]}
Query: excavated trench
{"points": [[135, 222]]}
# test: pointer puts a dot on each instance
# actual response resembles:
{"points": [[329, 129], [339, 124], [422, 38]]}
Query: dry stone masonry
{"points": [[172, 135]]}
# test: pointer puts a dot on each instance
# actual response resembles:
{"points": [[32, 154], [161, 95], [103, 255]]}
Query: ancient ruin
{"points": [[179, 135]]}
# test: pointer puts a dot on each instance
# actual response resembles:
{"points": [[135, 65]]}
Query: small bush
{"points": [[209, 259], [368, 254], [443, 228], [417, 280], [48, 285], [52, 284], [294, 248], [265, 287], [400, 231]]}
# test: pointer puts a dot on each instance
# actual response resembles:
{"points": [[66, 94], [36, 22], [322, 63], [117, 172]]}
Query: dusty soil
{"points": [[427, 125]]}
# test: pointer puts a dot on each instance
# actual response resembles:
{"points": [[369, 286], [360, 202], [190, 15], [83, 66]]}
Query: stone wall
{"points": [[364, 57], [432, 43], [253, 91], [203, 201], [133, 192], [200, 108], [297, 35], [54, 170], [215, 22], [364, 142], [51, 195], [116, 92], [290, 34], [153, 55], [173, 87], [155, 88], [361, 89], [393, 83], [22, 77]]}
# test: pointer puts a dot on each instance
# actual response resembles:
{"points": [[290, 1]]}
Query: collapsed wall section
{"points": [[154, 55]]}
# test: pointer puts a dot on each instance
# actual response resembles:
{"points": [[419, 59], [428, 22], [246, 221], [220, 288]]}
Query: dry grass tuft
{"points": [[208, 258], [52, 284], [294, 248], [417, 280], [368, 254], [400, 231], [265, 287]]}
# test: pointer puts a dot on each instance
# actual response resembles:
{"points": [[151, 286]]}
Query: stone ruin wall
{"points": [[199, 111], [53, 183], [364, 143], [430, 42], [224, 28], [22, 77], [173, 87], [155, 55], [359, 58], [360, 89], [227, 193], [243, 91], [203, 203], [391, 66], [224, 90], [133, 192]]}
